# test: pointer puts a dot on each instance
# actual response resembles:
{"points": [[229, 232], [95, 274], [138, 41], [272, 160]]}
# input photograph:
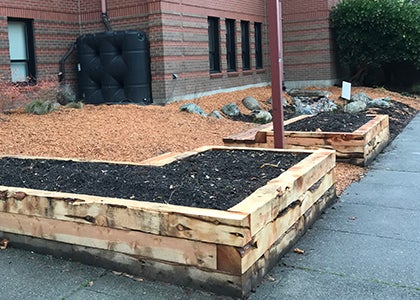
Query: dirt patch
{"points": [[211, 179], [133, 133], [330, 121]]}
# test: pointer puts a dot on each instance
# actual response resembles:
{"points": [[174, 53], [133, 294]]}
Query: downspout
{"points": [[63, 61], [104, 15]]}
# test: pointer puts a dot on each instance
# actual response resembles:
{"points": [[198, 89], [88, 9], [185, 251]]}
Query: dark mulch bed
{"points": [[330, 121], [213, 179], [399, 114]]}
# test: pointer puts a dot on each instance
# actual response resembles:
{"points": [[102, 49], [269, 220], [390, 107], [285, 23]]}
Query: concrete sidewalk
{"points": [[367, 246]]}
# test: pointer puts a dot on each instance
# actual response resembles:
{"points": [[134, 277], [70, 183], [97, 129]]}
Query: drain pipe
{"points": [[104, 15], [63, 61]]}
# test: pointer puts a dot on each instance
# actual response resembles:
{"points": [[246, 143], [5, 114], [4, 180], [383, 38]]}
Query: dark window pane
{"points": [[230, 45], [21, 49], [214, 44], [258, 46], [246, 61]]}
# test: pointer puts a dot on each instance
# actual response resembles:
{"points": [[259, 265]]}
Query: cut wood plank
{"points": [[253, 135], [266, 237], [130, 242], [228, 227], [138, 266], [350, 146], [225, 251], [265, 203], [270, 258]]}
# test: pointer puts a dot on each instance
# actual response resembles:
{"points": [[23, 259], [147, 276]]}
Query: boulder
{"points": [[215, 114], [231, 110], [355, 107], [308, 93], [308, 106], [261, 116], [251, 103], [192, 108], [379, 102], [362, 97], [283, 101]]}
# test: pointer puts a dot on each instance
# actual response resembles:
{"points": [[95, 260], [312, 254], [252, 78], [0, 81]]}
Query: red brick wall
{"points": [[177, 31], [55, 28], [307, 41], [178, 35], [186, 45]]}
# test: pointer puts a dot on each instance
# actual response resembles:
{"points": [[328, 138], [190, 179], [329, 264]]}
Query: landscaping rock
{"points": [[310, 93], [251, 103], [283, 101], [192, 108], [261, 116], [362, 97], [379, 102], [231, 110], [215, 114], [355, 107], [309, 106]]}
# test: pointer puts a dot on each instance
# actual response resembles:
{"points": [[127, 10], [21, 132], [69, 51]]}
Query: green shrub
{"points": [[377, 34], [66, 94], [415, 89], [39, 107], [78, 105]]}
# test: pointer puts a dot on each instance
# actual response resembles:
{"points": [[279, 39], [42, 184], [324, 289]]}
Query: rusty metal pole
{"points": [[276, 62]]}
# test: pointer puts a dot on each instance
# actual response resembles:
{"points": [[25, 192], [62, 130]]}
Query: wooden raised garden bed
{"points": [[359, 147], [225, 251]]}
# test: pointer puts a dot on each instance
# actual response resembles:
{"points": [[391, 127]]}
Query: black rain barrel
{"points": [[114, 67]]}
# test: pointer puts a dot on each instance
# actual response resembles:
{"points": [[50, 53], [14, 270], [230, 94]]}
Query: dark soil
{"points": [[330, 121], [216, 179], [399, 114]]}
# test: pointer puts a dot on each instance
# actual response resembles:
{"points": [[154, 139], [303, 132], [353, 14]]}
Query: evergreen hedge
{"points": [[377, 34]]}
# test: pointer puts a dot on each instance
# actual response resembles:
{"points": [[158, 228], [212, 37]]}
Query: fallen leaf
{"points": [[298, 251], [270, 278], [3, 244], [138, 279]]}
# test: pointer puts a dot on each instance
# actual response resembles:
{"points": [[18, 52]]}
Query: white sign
{"points": [[346, 90]]}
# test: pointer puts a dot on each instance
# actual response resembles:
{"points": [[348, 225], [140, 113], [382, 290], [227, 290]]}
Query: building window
{"points": [[258, 46], [230, 45], [214, 45], [246, 61], [21, 49]]}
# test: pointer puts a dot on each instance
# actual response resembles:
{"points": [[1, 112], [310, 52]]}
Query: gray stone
{"points": [[355, 107], [379, 102], [231, 110], [283, 101], [308, 106], [362, 97], [301, 107], [308, 93], [215, 114], [261, 116], [251, 103], [192, 108]]}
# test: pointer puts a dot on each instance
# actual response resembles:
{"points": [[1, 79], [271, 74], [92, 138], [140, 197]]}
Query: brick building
{"points": [[196, 47]]}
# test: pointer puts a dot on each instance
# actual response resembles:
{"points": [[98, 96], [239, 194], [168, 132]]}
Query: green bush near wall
{"points": [[374, 35]]}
